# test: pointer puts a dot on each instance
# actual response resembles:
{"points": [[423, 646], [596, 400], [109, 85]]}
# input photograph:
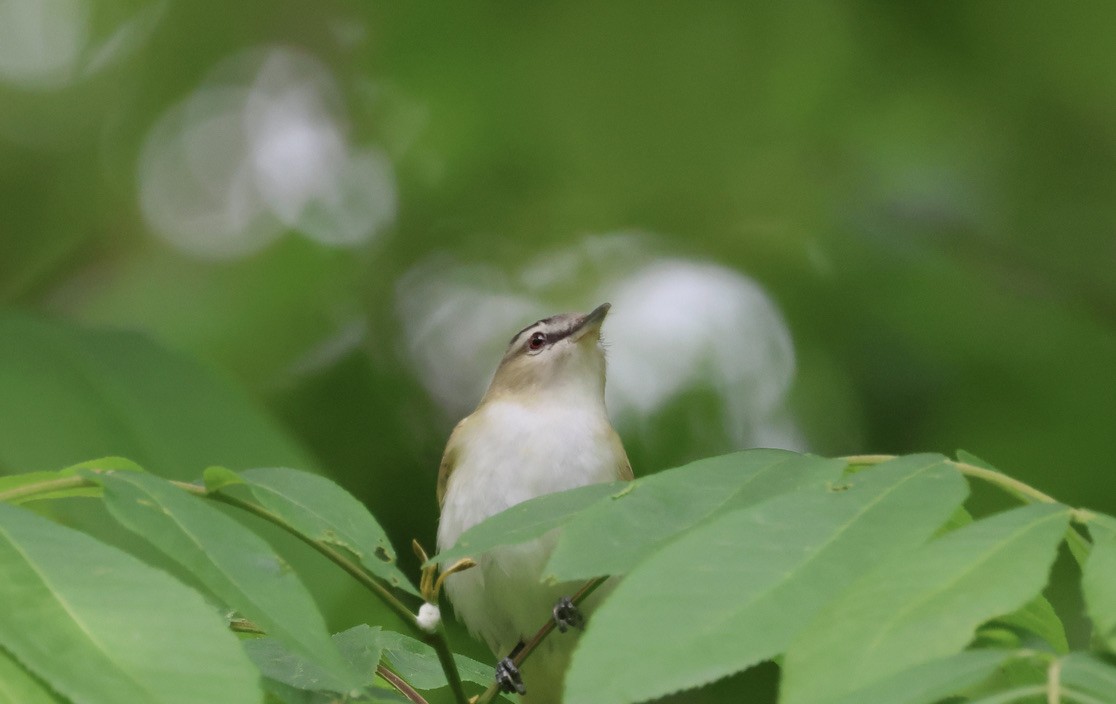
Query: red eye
{"points": [[536, 342]]}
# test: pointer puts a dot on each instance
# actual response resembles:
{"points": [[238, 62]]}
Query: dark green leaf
{"points": [[323, 511], [736, 590], [924, 604], [417, 663], [234, 563], [100, 626], [358, 645]]}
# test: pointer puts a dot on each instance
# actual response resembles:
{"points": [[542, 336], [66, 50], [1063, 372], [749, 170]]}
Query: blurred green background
{"points": [[300, 233]]}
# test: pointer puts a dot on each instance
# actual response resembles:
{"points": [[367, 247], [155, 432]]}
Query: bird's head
{"points": [[555, 357]]}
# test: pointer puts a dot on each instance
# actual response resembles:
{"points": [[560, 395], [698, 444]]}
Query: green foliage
{"points": [[97, 625], [865, 583]]}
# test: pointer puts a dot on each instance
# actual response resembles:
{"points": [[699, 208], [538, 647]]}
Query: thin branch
{"points": [[540, 635], [400, 684], [1078, 545]]}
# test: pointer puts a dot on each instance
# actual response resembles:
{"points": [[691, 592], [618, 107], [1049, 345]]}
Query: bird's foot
{"points": [[567, 615], [508, 677]]}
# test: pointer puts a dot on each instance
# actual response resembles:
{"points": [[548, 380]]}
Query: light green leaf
{"points": [[527, 520], [925, 604], [102, 627], [1098, 584], [1038, 617], [120, 393], [18, 686], [612, 536], [1087, 679], [234, 563], [321, 510], [736, 590], [931, 681]]}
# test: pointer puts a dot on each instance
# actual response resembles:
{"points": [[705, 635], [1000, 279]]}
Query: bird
{"points": [[541, 427]]}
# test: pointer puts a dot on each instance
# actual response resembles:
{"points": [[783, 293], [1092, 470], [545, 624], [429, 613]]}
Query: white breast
{"points": [[512, 453]]}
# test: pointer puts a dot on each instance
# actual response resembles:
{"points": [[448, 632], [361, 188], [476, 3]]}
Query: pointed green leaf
{"points": [[238, 566], [932, 681], [101, 626], [610, 537], [1098, 584], [323, 511], [736, 590], [18, 686], [527, 520], [1083, 675], [924, 604]]}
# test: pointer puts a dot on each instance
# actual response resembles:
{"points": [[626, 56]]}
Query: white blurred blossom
{"points": [[50, 44], [259, 149], [675, 324]]}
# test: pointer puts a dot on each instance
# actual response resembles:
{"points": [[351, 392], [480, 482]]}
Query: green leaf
{"points": [[1083, 675], [736, 590], [417, 663], [527, 520], [216, 478], [924, 604], [610, 537], [18, 686], [610, 527], [1098, 584], [72, 392], [932, 681], [238, 566], [31, 486], [359, 646], [321, 510], [1038, 617], [101, 626]]}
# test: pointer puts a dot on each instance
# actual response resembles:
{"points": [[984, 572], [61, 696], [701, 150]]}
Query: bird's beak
{"points": [[591, 322]]}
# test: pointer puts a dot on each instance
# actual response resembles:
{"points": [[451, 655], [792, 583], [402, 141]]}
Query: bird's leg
{"points": [[567, 615], [507, 673]]}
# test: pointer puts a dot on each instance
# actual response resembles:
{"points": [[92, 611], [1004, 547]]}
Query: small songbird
{"points": [[541, 427]]}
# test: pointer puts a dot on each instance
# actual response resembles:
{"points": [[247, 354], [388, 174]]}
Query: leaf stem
{"points": [[45, 486], [540, 635], [400, 684]]}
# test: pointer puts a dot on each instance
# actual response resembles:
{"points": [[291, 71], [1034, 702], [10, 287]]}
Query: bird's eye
{"points": [[536, 342]]}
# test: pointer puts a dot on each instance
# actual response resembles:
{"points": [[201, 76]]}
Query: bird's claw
{"points": [[508, 677], [567, 615]]}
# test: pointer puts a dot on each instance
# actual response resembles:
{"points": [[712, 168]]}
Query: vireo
{"points": [[541, 427]]}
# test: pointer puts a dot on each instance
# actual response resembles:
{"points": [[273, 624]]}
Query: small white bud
{"points": [[429, 617]]}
